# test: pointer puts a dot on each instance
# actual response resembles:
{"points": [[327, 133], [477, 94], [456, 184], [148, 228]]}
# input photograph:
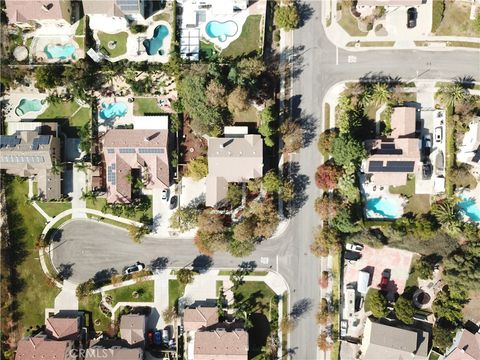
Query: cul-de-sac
{"points": [[240, 179]]}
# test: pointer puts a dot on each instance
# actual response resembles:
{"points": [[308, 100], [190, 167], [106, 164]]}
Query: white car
{"points": [[134, 268], [354, 247], [165, 194]]}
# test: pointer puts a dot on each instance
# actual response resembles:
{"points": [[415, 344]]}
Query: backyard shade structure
{"points": [[382, 341], [34, 153], [199, 317], [40, 347], [132, 329], [363, 281], [237, 157], [23, 11], [221, 345], [392, 159], [142, 150]]}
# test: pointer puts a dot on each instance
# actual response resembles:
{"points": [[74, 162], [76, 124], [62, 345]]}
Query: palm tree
{"points": [[447, 214], [89, 195], [451, 94], [380, 93], [82, 166], [57, 167], [54, 98]]}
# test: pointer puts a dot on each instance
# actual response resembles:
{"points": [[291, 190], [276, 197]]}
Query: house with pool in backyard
{"points": [[50, 29]]}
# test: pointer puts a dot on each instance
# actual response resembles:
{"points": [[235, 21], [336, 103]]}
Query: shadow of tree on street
{"points": [[308, 124], [159, 263], [300, 308], [202, 263], [305, 11], [103, 277], [65, 271], [291, 171], [380, 77]]}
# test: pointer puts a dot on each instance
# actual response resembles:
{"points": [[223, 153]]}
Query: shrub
{"points": [[322, 313], [271, 182], [85, 288], [376, 302], [137, 28], [185, 276], [287, 17], [404, 310], [325, 141], [197, 168]]}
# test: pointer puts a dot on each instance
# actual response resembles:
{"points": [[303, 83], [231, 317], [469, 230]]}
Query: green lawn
{"points": [[438, 9], [100, 203], [408, 189], [90, 304], [413, 275], [81, 27], [349, 22], [33, 292], [175, 292], [121, 43], [54, 208], [249, 40], [144, 289], [456, 20], [433, 356], [142, 106], [108, 221], [263, 294], [66, 111], [418, 204], [162, 17], [207, 50]]}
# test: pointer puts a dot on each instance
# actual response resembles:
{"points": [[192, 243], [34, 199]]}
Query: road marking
{"points": [[352, 59], [336, 55], [277, 263]]}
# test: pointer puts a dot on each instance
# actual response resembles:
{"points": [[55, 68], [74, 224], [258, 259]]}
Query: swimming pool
{"points": [[221, 30], [469, 207], [154, 44], [26, 106], [62, 52], [383, 208], [113, 110]]}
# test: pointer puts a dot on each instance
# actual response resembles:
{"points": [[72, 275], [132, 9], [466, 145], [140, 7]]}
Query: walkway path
{"points": [[79, 183]]}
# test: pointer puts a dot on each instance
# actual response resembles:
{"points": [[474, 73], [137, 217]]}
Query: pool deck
{"points": [[475, 194], [14, 99], [370, 190]]}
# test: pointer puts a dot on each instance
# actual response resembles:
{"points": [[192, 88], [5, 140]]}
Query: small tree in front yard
{"points": [[292, 136], [169, 315], [197, 168], [322, 313], [271, 181], [404, 310], [184, 218], [85, 289], [287, 17], [137, 232], [185, 276], [327, 176], [376, 302]]}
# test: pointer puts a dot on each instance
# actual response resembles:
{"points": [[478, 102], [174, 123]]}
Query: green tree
{"points": [[287, 17], [447, 214], [443, 335], [347, 150], [447, 307], [48, 76], [234, 194], [287, 191], [249, 70], [424, 268], [271, 182], [197, 168], [380, 93], [451, 94], [328, 206], [348, 188], [137, 232], [210, 242], [205, 118], [462, 268], [343, 221], [184, 218], [325, 141], [216, 94], [266, 128], [238, 100], [185, 276], [245, 229], [240, 248], [404, 310], [267, 216], [326, 240], [376, 302]]}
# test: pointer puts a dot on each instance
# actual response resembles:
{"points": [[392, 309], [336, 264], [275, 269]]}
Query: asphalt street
{"points": [[87, 247]]}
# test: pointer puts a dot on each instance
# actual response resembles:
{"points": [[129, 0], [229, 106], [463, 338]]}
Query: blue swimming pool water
{"points": [[221, 30], [110, 111], [154, 44], [60, 51], [382, 208], [469, 207], [26, 105]]}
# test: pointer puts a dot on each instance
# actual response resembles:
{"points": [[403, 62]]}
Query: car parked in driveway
{"points": [[438, 134], [173, 202], [427, 171], [138, 266], [157, 338], [385, 278], [411, 18], [354, 247], [165, 194]]}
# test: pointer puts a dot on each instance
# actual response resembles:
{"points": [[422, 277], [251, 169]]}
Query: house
{"points": [[114, 353], [26, 13], [199, 317], [130, 9], [132, 329], [34, 153], [382, 341], [63, 328], [132, 153], [40, 347], [221, 345], [466, 346], [391, 159], [237, 157], [469, 151]]}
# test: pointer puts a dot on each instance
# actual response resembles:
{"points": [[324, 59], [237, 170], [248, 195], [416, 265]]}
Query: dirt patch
{"points": [[471, 311], [192, 145]]}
